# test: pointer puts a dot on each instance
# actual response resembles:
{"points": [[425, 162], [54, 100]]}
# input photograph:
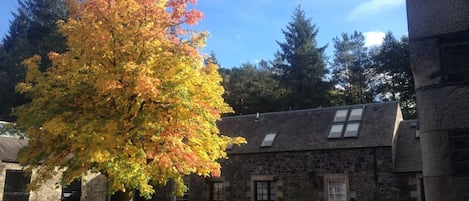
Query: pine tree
{"points": [[32, 31], [350, 74], [302, 65], [394, 78], [250, 88]]}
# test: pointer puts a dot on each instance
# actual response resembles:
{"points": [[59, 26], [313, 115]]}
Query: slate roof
{"points": [[309, 129], [295, 131], [10, 144], [408, 152], [9, 148]]}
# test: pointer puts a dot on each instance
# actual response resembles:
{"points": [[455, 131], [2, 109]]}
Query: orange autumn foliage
{"points": [[131, 98]]}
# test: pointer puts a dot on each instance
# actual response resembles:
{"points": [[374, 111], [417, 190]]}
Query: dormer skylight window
{"points": [[356, 114], [336, 131], [340, 115], [346, 123], [351, 130], [268, 140]]}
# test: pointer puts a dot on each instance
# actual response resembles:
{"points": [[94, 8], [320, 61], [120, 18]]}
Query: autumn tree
{"points": [[32, 31], [350, 64], [302, 65], [130, 99]]}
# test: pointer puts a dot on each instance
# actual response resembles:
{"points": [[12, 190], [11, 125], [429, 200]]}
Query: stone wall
{"points": [[93, 186], [300, 175], [410, 186], [50, 191], [439, 52]]}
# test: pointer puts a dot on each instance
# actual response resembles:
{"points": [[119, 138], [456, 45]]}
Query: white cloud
{"points": [[373, 38], [372, 7]]}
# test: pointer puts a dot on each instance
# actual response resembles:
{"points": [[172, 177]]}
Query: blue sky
{"points": [[246, 30]]}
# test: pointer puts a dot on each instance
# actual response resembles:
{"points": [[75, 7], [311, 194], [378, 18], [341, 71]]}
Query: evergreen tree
{"points": [[350, 64], [394, 79], [212, 58], [250, 88], [32, 31], [301, 64]]}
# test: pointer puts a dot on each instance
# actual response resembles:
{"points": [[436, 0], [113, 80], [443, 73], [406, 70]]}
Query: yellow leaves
{"points": [[113, 84], [199, 39], [32, 64], [156, 3], [129, 99], [161, 3], [238, 141], [147, 86], [100, 157], [23, 88], [55, 126], [53, 55]]}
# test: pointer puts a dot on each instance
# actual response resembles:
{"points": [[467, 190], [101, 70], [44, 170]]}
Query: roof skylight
{"points": [[336, 131], [268, 140], [346, 123], [340, 115], [352, 130], [355, 114]]}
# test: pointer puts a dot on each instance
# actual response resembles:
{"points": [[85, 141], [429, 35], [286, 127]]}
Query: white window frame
{"points": [[329, 179]]}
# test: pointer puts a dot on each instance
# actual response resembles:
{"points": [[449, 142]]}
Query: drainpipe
{"points": [[375, 175]]}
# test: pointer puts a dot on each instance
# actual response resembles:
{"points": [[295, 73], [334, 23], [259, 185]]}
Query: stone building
{"points": [[13, 180], [439, 56], [359, 152]]}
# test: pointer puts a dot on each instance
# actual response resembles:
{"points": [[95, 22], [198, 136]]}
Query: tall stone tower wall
{"points": [[439, 52]]}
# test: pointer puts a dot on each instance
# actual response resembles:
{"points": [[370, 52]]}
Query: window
{"points": [[16, 182], [336, 190], [268, 140], [336, 187], [217, 191], [265, 191], [336, 131], [352, 130], [185, 197], [356, 114], [340, 115], [350, 120], [72, 192]]}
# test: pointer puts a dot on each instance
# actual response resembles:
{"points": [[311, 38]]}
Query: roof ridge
{"points": [[310, 109]]}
